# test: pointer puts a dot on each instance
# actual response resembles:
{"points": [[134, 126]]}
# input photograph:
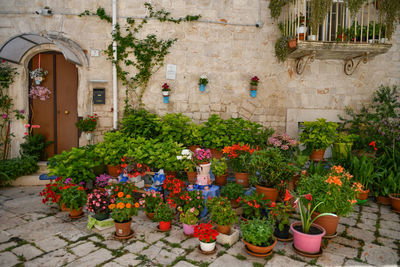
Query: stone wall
{"points": [[228, 54]]}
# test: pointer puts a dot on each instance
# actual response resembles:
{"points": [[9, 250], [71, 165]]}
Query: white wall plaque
{"points": [[171, 72]]}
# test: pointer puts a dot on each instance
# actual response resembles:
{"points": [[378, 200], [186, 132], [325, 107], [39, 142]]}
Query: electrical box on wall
{"points": [[99, 95]]}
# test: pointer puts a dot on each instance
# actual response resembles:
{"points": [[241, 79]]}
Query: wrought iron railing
{"points": [[339, 25]]}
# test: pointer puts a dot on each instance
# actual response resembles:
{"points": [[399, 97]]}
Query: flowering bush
{"points": [[164, 213], [98, 201], [191, 199], [175, 187], [201, 156], [205, 233], [51, 192], [221, 211], [254, 81], [73, 196], [239, 156], [165, 87], [190, 216], [332, 192], [39, 92], [232, 191], [252, 205], [123, 208], [102, 180], [132, 168], [151, 200], [283, 141], [88, 124], [280, 211]]}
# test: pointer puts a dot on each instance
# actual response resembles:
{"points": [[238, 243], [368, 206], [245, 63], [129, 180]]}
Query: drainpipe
{"points": [[114, 69]]}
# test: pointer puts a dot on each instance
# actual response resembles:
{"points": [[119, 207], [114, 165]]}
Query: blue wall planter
{"points": [[202, 87], [166, 99], [253, 93]]}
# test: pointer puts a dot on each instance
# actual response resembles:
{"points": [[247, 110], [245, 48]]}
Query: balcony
{"points": [[353, 38]]}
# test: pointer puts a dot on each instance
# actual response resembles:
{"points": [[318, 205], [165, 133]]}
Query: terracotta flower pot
{"points": [[395, 200], [221, 180], [188, 229], [317, 155], [292, 43], [123, 229], [259, 250], [114, 171], [223, 229], [242, 178], [192, 177], [215, 153], [307, 243], [269, 193], [363, 194], [75, 213], [383, 200], [328, 222], [164, 226], [150, 215], [64, 208]]}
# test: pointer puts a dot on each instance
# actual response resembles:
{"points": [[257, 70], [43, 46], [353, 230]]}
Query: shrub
{"points": [[141, 123], [10, 169]]}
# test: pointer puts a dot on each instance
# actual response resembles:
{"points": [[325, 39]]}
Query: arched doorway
{"points": [[58, 114]]}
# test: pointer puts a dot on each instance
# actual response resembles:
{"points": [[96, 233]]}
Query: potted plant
{"points": [[52, 192], [280, 212], [239, 158], [150, 201], [219, 168], [132, 169], [207, 236], [233, 192], [213, 135], [202, 158], [122, 211], [88, 125], [267, 169], [342, 144], [318, 136], [102, 181], [332, 193], [286, 144], [221, 214], [203, 81], [283, 46], [252, 206], [164, 215], [38, 75], [189, 220], [97, 203], [74, 197], [165, 92], [301, 30], [258, 236], [190, 199], [253, 86]]}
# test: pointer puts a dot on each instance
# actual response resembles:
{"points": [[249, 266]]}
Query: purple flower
{"points": [[67, 181], [22, 111], [4, 116], [383, 133], [82, 183]]}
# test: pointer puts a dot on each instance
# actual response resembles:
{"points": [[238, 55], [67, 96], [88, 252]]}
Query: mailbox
{"points": [[99, 95]]}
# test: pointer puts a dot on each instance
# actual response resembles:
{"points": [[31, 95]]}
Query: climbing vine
{"points": [[148, 53]]}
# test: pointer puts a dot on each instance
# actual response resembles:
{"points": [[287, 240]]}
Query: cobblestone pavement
{"points": [[32, 234]]}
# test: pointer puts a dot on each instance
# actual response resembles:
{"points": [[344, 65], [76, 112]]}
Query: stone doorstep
{"points": [[228, 239], [29, 180]]}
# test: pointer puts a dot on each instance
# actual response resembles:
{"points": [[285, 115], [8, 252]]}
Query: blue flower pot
{"points": [[166, 99], [253, 93], [202, 87]]}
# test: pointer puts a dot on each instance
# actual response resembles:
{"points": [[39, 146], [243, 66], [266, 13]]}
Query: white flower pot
{"points": [[312, 37], [89, 136], [165, 93], [301, 29], [207, 246]]}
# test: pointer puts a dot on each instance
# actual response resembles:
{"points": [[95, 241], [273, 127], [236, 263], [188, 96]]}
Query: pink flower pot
{"points": [[307, 243], [188, 229]]}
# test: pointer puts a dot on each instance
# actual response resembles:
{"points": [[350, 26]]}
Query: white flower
{"points": [[179, 157], [203, 76]]}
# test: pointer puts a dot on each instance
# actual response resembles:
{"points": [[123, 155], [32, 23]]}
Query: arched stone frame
{"points": [[19, 93]]}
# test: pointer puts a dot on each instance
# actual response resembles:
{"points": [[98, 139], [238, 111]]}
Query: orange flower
{"points": [[128, 205], [338, 169], [137, 205], [121, 205], [128, 196], [334, 180], [120, 194], [111, 206]]}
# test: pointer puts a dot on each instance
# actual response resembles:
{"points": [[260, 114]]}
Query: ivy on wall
{"points": [[146, 55]]}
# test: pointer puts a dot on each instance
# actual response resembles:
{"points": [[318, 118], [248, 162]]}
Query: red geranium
{"points": [[205, 233]]}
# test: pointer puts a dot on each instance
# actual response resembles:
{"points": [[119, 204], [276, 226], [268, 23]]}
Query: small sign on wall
{"points": [[99, 95], [171, 72]]}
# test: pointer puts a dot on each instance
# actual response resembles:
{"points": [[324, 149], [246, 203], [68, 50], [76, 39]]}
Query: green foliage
{"points": [[282, 48], [214, 133], [115, 145], [124, 209], [345, 138], [354, 6], [388, 171], [221, 211], [269, 167], [258, 232], [163, 213], [318, 134], [389, 12], [252, 205], [275, 7], [88, 124], [10, 169], [74, 197], [232, 191], [35, 145], [141, 123], [219, 166], [176, 127], [203, 81], [319, 9], [77, 164], [247, 132], [190, 216]]}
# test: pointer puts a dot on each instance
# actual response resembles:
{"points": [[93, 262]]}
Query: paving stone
{"points": [[369, 215], [238, 248], [176, 237], [388, 242], [8, 259], [152, 237], [113, 264], [151, 252], [280, 261], [348, 221], [112, 244], [390, 225], [28, 251], [165, 257], [329, 259], [287, 248], [371, 208], [59, 257], [84, 249], [391, 217], [386, 209], [390, 233], [378, 255], [229, 260], [184, 264], [354, 263], [10, 222], [74, 234], [95, 239], [340, 229], [369, 227], [51, 243], [136, 247], [190, 243], [368, 221], [337, 249], [7, 245], [93, 258], [127, 260], [196, 255], [365, 235], [347, 242], [4, 236]]}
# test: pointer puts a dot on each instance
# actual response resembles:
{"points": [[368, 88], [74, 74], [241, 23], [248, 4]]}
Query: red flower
{"points": [[273, 204], [288, 196], [372, 144], [308, 196]]}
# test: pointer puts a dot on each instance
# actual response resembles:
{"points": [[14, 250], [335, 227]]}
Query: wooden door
{"points": [[58, 114]]}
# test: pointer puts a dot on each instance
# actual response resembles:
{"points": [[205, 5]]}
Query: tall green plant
{"points": [[389, 12], [318, 134], [319, 9]]}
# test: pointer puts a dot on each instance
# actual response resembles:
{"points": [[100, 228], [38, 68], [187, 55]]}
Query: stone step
{"points": [[42, 166], [29, 180]]}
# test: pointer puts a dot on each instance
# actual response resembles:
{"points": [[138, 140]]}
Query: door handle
{"points": [[66, 112]]}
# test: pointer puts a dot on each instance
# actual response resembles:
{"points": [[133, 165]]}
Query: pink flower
{"points": [[4, 116], [27, 125]]}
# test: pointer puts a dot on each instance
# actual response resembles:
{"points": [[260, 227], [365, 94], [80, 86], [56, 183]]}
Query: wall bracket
{"points": [[301, 62], [350, 66]]}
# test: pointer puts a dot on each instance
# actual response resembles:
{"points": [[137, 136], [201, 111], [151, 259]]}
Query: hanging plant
{"points": [[319, 9], [39, 92], [354, 6], [389, 13], [38, 75], [275, 7]]}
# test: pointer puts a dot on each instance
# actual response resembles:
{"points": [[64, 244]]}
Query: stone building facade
{"points": [[224, 44]]}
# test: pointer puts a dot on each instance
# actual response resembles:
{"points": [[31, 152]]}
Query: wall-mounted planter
{"points": [[253, 93], [202, 87], [166, 99]]}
